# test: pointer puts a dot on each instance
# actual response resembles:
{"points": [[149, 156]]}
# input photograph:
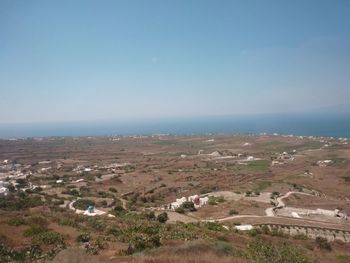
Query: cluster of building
{"points": [[195, 199]]}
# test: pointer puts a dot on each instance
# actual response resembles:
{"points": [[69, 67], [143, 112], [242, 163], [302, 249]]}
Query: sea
{"points": [[328, 125]]}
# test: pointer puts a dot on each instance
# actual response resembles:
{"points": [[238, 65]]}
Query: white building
{"points": [[3, 191], [244, 227]]}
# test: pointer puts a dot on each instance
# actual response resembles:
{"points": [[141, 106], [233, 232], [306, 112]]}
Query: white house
{"points": [[250, 158], [244, 227], [3, 191]]}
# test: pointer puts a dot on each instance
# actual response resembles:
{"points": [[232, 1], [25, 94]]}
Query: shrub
{"points": [[207, 189], [254, 232], [118, 210], [300, 237], [162, 217], [19, 202], [322, 243], [180, 210], [34, 230], [83, 204], [113, 190], [150, 215], [28, 254], [96, 223], [16, 221], [49, 238], [233, 212], [220, 199], [103, 203], [214, 226], [261, 251], [38, 220], [72, 222], [84, 237], [37, 189], [188, 205], [74, 192], [102, 194], [140, 242], [224, 248], [213, 200], [274, 195]]}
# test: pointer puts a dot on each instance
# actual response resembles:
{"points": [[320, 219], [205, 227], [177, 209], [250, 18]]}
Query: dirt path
{"points": [[280, 204]]}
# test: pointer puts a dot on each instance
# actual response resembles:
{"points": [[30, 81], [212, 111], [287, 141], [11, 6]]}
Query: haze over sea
{"points": [[336, 125]]}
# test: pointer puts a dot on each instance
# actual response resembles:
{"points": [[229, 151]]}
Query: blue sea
{"points": [[336, 125]]}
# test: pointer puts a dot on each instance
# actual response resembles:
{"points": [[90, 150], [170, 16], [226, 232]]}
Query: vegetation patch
{"points": [[260, 166], [83, 204], [16, 221], [261, 251], [262, 185], [322, 243], [27, 254], [346, 178], [49, 238], [20, 201], [214, 200]]}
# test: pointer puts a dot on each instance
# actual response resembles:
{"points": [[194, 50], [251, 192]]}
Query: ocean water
{"points": [[336, 125]]}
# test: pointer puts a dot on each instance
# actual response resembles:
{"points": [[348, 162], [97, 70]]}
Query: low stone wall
{"points": [[310, 232]]}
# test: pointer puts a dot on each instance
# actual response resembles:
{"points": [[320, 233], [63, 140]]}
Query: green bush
{"points": [[162, 217], [261, 251], [28, 254], [113, 190], [213, 200], [180, 210], [72, 222], [34, 230], [118, 210], [96, 223], [220, 199], [102, 194], [224, 248], [20, 201], [38, 220], [188, 205], [300, 237], [84, 237], [207, 189], [233, 212], [49, 238], [83, 204], [140, 242], [322, 243], [150, 216], [274, 195], [214, 226], [16, 221]]}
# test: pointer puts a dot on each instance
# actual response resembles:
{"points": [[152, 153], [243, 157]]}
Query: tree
{"points": [[162, 217]]}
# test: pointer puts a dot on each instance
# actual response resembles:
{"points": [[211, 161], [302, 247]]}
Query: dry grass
{"points": [[188, 258]]}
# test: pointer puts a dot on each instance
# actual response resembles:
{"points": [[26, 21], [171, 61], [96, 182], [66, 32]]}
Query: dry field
{"points": [[128, 177]]}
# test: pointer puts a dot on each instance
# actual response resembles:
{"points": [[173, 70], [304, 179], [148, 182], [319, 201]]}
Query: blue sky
{"points": [[100, 60]]}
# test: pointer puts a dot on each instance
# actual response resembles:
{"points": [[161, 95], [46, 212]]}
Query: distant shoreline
{"points": [[300, 125]]}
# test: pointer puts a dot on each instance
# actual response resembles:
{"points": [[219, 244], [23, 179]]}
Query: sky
{"points": [[109, 60]]}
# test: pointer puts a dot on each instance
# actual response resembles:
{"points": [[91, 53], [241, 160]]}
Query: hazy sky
{"points": [[91, 60]]}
